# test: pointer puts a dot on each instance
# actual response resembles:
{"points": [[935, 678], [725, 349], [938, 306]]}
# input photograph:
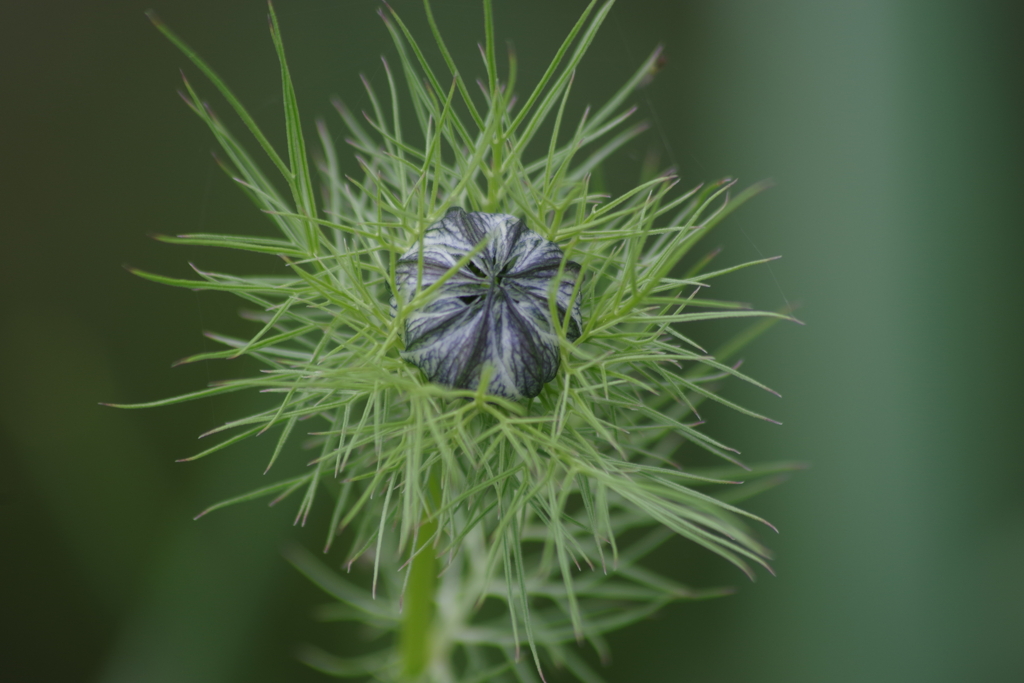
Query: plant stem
{"points": [[494, 181], [418, 603]]}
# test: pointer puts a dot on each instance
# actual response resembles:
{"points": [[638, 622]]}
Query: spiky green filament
{"points": [[535, 496]]}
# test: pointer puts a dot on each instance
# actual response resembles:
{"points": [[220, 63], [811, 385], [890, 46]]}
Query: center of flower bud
{"points": [[492, 313]]}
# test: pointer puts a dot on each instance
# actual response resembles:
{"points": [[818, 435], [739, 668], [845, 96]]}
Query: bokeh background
{"points": [[892, 129]]}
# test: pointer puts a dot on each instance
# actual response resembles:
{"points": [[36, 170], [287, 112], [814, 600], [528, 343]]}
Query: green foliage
{"points": [[526, 493]]}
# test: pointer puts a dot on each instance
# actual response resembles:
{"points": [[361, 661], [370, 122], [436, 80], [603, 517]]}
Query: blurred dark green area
{"points": [[893, 132]]}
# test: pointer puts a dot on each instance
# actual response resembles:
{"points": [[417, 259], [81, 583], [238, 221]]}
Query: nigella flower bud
{"points": [[494, 311]]}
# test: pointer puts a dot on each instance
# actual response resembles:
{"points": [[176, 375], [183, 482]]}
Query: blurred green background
{"points": [[893, 132]]}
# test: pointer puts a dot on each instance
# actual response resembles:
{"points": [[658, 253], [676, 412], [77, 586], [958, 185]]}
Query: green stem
{"points": [[494, 182], [418, 603]]}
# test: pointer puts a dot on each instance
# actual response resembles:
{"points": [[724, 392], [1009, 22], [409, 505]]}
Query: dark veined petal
{"points": [[493, 312]]}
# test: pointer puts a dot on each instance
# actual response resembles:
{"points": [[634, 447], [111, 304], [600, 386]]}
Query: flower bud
{"points": [[494, 311]]}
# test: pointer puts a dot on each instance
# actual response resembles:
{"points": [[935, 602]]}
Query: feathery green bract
{"points": [[531, 491]]}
